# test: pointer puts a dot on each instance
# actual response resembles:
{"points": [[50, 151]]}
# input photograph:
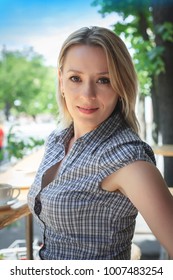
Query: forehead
{"points": [[84, 56]]}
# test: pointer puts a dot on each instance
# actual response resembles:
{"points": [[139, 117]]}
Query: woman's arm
{"points": [[143, 184]]}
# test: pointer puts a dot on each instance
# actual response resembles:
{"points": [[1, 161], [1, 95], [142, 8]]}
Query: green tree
{"points": [[26, 84], [148, 26], [162, 12]]}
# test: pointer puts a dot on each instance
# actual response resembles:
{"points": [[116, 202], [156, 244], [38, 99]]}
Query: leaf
{"points": [[165, 30]]}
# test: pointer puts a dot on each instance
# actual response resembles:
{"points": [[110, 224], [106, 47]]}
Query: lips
{"points": [[87, 110]]}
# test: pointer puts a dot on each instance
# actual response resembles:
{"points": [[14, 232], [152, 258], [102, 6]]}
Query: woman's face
{"points": [[85, 83]]}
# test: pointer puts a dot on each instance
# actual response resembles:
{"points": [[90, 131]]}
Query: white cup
{"points": [[7, 193]]}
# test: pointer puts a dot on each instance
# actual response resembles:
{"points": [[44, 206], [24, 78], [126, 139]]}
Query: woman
{"points": [[96, 172]]}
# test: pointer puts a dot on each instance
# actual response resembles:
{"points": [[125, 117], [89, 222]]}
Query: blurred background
{"points": [[31, 34]]}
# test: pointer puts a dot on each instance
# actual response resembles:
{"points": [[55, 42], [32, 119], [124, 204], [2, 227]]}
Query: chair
{"points": [[135, 252]]}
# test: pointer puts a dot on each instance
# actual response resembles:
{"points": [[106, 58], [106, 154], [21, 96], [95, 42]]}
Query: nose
{"points": [[89, 90]]}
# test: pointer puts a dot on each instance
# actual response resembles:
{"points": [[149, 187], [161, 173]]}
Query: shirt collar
{"points": [[103, 131]]}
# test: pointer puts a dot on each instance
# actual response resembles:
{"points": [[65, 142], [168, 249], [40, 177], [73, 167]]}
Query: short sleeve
{"points": [[119, 155]]}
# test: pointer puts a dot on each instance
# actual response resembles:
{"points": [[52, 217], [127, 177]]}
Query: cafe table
{"points": [[163, 150], [21, 175]]}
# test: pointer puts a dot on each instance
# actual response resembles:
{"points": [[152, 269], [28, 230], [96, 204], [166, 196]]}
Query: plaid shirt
{"points": [[78, 219]]}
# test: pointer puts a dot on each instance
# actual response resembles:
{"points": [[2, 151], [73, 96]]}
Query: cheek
{"points": [[70, 101], [69, 87], [110, 99]]}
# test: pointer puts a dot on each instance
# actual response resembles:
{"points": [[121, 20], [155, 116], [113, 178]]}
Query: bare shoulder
{"points": [[134, 175], [138, 176], [143, 184]]}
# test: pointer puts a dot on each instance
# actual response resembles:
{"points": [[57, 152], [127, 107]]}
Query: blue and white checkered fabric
{"points": [[79, 220]]}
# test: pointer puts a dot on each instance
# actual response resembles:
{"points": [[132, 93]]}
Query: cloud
{"points": [[47, 31]]}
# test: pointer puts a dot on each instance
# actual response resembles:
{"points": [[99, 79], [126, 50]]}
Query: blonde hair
{"points": [[123, 77]]}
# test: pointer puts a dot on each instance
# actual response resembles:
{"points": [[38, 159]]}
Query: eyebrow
{"points": [[80, 72]]}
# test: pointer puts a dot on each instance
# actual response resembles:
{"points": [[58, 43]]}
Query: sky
{"points": [[45, 24]]}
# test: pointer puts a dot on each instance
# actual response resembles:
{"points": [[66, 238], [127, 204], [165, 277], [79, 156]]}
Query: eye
{"points": [[75, 79], [103, 80]]}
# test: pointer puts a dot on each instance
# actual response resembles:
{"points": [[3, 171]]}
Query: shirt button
{"points": [[37, 207]]}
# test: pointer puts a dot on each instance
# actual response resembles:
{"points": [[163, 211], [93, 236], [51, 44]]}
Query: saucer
{"points": [[8, 204]]}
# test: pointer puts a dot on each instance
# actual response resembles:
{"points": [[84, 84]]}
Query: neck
{"points": [[80, 130]]}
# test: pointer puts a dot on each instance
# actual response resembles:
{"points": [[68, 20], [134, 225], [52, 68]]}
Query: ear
{"points": [[60, 79]]}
